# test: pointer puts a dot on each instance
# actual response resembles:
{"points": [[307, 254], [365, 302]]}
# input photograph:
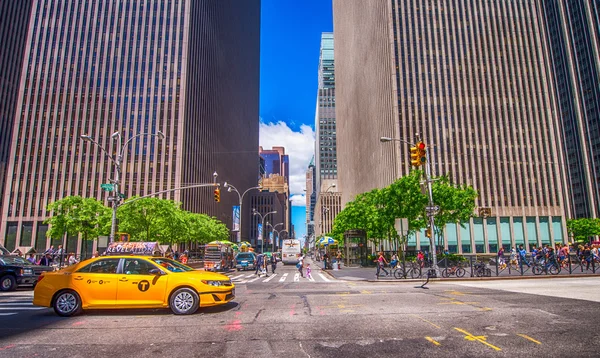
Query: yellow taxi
{"points": [[110, 282]]}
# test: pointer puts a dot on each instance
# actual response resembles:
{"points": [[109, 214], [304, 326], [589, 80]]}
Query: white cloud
{"points": [[300, 146]]}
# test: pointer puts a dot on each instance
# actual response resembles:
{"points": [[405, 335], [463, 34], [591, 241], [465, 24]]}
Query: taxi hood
{"points": [[207, 275]]}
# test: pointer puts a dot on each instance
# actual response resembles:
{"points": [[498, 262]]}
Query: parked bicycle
{"points": [[455, 270], [552, 267], [404, 271], [480, 269]]}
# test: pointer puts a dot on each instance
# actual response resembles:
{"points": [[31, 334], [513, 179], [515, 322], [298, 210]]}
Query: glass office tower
{"points": [[189, 69], [473, 80]]}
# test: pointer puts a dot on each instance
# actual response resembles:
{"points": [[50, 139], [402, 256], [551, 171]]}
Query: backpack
{"points": [[298, 265]]}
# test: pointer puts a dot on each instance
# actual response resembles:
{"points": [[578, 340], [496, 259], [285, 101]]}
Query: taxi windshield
{"points": [[171, 265]]}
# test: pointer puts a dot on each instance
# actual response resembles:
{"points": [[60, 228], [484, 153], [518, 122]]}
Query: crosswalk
{"points": [[317, 277], [12, 303]]}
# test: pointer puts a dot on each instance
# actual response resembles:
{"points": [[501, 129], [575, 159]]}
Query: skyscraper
{"points": [[311, 198], [14, 19], [187, 68], [276, 180], [573, 29], [472, 79], [326, 143]]}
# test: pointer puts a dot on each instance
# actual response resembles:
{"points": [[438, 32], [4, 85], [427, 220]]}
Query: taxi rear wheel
{"points": [[67, 303], [184, 301]]}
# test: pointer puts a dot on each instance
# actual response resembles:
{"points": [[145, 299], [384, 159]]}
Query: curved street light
{"points": [[116, 198], [231, 188], [276, 231], [262, 218]]}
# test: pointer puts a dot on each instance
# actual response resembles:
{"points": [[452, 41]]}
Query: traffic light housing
{"points": [[428, 233], [217, 195], [418, 154]]}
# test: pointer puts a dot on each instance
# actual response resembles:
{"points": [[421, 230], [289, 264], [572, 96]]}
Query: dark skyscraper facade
{"points": [[573, 28], [471, 78], [14, 18], [189, 69]]}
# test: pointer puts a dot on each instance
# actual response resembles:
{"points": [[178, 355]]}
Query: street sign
{"points": [[107, 187], [432, 208], [122, 196], [113, 198]]}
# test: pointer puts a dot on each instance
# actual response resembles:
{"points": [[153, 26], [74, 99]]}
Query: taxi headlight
{"points": [[217, 283]]}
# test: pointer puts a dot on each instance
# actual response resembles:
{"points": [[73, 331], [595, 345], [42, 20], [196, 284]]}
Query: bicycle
{"points": [[552, 267], [455, 270], [414, 271]]}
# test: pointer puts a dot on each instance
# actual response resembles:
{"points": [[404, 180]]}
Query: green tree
{"points": [[151, 219], [582, 229], [74, 215]]}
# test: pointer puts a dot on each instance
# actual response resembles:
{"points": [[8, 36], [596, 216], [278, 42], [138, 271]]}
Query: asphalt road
{"points": [[328, 318]]}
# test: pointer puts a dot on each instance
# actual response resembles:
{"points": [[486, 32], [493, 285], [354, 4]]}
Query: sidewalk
{"points": [[368, 274]]}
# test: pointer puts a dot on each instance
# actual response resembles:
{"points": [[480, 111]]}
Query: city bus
{"points": [[291, 251]]}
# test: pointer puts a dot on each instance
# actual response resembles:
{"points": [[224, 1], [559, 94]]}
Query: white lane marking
{"points": [[297, 277], [283, 278], [254, 279], [270, 278], [324, 278], [250, 275], [236, 277]]}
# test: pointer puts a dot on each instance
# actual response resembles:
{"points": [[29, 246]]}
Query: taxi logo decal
{"points": [[143, 285]]}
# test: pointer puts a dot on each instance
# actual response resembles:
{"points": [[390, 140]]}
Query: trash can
{"points": [[335, 266]]}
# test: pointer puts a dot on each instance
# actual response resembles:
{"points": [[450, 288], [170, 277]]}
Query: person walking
{"points": [[381, 261], [339, 260], [300, 266], [308, 271], [273, 263], [46, 260], [501, 262], [259, 264]]}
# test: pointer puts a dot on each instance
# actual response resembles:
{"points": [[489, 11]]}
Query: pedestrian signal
{"points": [[217, 195], [428, 233]]}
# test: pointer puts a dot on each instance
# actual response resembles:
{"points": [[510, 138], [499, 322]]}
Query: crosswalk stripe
{"points": [[310, 278], [254, 279], [297, 277], [324, 278], [270, 278], [16, 303], [250, 275], [20, 308], [236, 277], [283, 277]]}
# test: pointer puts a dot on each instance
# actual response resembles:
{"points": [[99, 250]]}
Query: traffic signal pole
{"points": [[431, 210]]}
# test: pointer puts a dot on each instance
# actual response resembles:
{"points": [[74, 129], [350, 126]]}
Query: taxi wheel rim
{"points": [[66, 302], [6, 283], [184, 301]]}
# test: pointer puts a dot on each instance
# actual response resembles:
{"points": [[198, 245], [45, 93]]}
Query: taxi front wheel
{"points": [[184, 301], [67, 303]]}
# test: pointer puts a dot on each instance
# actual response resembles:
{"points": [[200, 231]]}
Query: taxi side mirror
{"points": [[156, 272]]}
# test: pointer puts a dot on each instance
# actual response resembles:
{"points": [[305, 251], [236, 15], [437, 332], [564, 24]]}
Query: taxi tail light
{"points": [[40, 277]]}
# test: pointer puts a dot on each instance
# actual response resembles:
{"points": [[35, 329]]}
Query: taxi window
{"points": [[101, 266], [137, 267]]}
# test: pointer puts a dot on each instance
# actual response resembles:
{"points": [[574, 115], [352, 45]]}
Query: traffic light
{"points": [[217, 195], [418, 154], [428, 233]]}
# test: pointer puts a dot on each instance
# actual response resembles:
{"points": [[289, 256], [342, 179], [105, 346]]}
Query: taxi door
{"points": [[137, 287], [96, 283]]}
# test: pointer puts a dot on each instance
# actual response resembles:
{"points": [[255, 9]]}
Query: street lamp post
{"points": [[431, 207], [116, 198], [275, 230], [241, 197], [262, 218]]}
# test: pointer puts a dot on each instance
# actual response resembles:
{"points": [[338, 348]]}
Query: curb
{"points": [[507, 278]]}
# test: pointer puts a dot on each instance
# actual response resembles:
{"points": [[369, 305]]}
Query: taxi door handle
{"points": [[78, 278], [123, 279]]}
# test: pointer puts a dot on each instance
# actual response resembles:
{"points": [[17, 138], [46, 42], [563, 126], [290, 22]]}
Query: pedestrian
{"points": [[381, 261], [421, 258], [394, 260], [300, 265], [273, 263], [184, 259], [259, 264], [32, 259], [522, 256], [501, 262], [339, 259], [72, 260], [308, 271], [325, 259], [96, 254], [46, 260]]}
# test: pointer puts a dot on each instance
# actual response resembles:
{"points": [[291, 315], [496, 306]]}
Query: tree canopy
{"points": [[375, 211], [582, 229]]}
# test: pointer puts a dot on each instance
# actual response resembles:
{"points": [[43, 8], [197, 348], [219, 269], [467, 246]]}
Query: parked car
{"points": [[245, 261], [3, 250], [16, 271]]}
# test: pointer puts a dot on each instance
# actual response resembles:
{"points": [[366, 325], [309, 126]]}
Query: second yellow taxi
{"points": [[110, 282]]}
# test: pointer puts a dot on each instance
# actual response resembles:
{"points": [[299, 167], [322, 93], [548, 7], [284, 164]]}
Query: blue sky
{"points": [[290, 41]]}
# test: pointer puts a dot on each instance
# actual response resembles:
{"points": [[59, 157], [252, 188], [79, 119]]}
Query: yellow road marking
{"points": [[432, 341], [486, 309], [342, 293], [457, 303], [457, 293], [424, 320], [480, 339], [529, 338], [366, 292]]}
